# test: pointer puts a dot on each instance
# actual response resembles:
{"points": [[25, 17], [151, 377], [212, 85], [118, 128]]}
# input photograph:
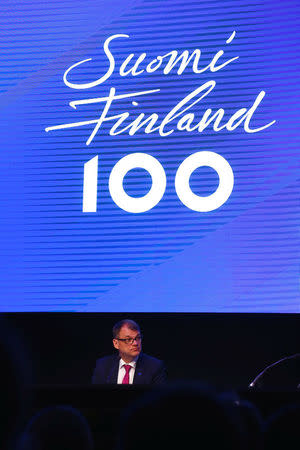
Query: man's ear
{"points": [[116, 343]]}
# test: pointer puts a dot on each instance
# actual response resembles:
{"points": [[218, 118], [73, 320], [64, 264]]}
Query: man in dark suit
{"points": [[130, 365]]}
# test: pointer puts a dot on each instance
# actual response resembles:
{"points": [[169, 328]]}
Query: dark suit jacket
{"points": [[148, 370]]}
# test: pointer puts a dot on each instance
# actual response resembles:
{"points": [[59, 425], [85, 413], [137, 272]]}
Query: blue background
{"points": [[243, 257]]}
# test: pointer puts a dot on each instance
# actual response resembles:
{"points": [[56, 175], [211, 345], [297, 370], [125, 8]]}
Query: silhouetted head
{"points": [[282, 429], [180, 417], [57, 428]]}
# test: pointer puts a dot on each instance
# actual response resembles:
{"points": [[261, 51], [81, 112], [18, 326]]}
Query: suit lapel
{"points": [[112, 376], [139, 371]]}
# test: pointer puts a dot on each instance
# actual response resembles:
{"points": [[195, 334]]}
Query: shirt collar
{"points": [[132, 363]]}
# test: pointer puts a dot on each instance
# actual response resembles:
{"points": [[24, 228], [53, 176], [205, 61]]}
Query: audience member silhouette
{"points": [[250, 418], [57, 428], [181, 417], [282, 429]]}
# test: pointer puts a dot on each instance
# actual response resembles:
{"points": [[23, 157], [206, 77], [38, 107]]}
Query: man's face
{"points": [[128, 351]]}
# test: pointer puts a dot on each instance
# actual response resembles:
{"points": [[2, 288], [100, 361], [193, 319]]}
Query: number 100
{"points": [[159, 181]]}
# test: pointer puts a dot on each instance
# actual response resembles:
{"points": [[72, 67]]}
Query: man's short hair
{"points": [[131, 324]]}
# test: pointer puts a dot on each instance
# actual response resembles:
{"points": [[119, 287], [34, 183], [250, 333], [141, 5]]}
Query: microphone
{"points": [[253, 383]]}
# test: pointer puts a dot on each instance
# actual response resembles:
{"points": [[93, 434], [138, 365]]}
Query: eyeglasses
{"points": [[130, 341]]}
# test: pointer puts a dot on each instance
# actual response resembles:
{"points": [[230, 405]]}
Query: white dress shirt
{"points": [[122, 370]]}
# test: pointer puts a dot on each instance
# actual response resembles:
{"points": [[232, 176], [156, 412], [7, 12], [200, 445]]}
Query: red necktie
{"points": [[126, 376]]}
